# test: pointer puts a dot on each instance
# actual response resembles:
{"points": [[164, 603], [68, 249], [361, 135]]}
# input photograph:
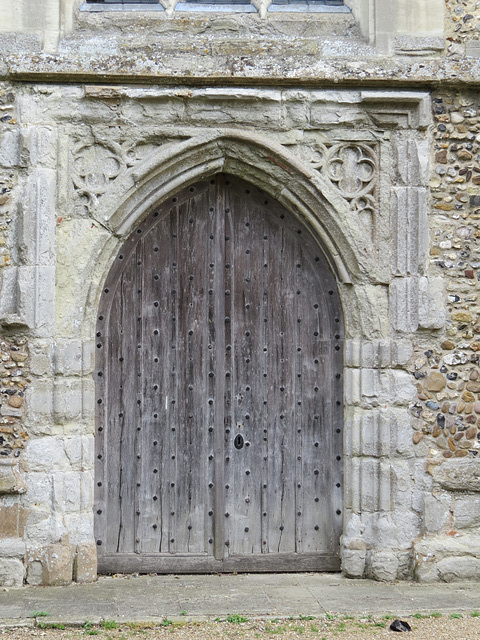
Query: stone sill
{"points": [[178, 69]]}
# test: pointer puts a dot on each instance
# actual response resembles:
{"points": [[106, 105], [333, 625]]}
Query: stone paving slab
{"points": [[151, 598]]}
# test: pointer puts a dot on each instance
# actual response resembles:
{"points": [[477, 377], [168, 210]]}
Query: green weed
{"points": [[39, 614], [51, 625], [183, 612], [275, 630], [109, 624], [475, 614], [236, 618], [455, 615], [166, 622]]}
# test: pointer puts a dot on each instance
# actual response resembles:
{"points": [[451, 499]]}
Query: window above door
{"points": [[326, 6]]}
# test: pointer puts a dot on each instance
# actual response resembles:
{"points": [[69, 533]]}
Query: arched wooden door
{"points": [[219, 391]]}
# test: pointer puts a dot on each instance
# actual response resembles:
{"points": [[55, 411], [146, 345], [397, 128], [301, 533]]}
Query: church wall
{"points": [[87, 150]]}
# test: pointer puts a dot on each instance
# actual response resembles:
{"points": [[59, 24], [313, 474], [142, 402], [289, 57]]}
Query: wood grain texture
{"points": [[220, 319]]}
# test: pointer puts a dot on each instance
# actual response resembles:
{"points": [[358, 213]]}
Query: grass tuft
{"points": [[236, 618], [109, 624]]}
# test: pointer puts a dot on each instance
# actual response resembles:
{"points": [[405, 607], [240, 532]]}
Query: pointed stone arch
{"points": [[268, 165]]}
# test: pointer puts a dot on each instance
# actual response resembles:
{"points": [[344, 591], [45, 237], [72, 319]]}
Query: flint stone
{"points": [[436, 381], [454, 359]]}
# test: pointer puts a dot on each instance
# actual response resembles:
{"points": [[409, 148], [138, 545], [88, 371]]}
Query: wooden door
{"points": [[219, 391]]}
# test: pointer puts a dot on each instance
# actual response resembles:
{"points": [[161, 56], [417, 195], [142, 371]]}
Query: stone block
{"points": [[459, 568], [36, 298], [8, 295], [57, 563], [46, 454], [88, 356], [425, 569], [11, 479], [369, 484], [85, 566], [34, 573], [405, 565], [227, 106], [411, 160], [44, 529], [403, 387], [39, 145], [80, 451], [66, 496], [40, 401], [384, 566], [68, 357], [40, 357], [13, 519], [79, 525], [466, 510], [38, 219], [353, 563], [39, 489], [295, 109], [88, 399], [458, 475], [10, 148], [410, 230], [431, 310], [404, 304], [12, 573], [437, 511], [67, 400], [402, 430], [12, 548]]}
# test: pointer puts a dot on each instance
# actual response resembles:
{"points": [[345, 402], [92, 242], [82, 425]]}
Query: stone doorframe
{"points": [[370, 221]]}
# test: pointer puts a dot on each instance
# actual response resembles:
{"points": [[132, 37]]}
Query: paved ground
{"points": [[152, 598]]}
